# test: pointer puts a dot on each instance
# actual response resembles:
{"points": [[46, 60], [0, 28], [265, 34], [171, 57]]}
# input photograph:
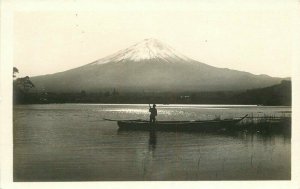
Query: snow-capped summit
{"points": [[145, 50]]}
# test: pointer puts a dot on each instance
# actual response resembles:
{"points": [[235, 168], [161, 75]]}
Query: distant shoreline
{"points": [[161, 105], [276, 95]]}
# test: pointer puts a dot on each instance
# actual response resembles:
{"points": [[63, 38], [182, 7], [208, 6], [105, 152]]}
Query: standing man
{"points": [[153, 113]]}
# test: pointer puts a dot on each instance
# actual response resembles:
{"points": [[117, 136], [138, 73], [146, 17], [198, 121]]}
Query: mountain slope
{"points": [[150, 66]]}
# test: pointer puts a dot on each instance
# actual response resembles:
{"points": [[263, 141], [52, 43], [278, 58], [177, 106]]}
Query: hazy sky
{"points": [[252, 37]]}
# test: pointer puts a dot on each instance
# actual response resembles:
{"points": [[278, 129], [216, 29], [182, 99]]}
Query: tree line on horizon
{"points": [[275, 95]]}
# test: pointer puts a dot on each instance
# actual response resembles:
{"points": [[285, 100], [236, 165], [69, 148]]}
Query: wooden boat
{"points": [[178, 125]]}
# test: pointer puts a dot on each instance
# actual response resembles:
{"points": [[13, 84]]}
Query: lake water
{"points": [[71, 142]]}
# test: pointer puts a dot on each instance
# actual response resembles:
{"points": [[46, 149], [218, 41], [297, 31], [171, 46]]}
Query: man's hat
{"points": [[154, 105]]}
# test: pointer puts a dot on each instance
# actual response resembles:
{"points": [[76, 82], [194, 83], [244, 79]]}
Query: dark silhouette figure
{"points": [[153, 113]]}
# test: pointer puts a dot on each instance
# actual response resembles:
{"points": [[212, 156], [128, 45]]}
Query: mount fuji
{"points": [[150, 66], [149, 49]]}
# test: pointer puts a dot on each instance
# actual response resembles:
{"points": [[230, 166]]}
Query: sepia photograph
{"points": [[149, 91]]}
